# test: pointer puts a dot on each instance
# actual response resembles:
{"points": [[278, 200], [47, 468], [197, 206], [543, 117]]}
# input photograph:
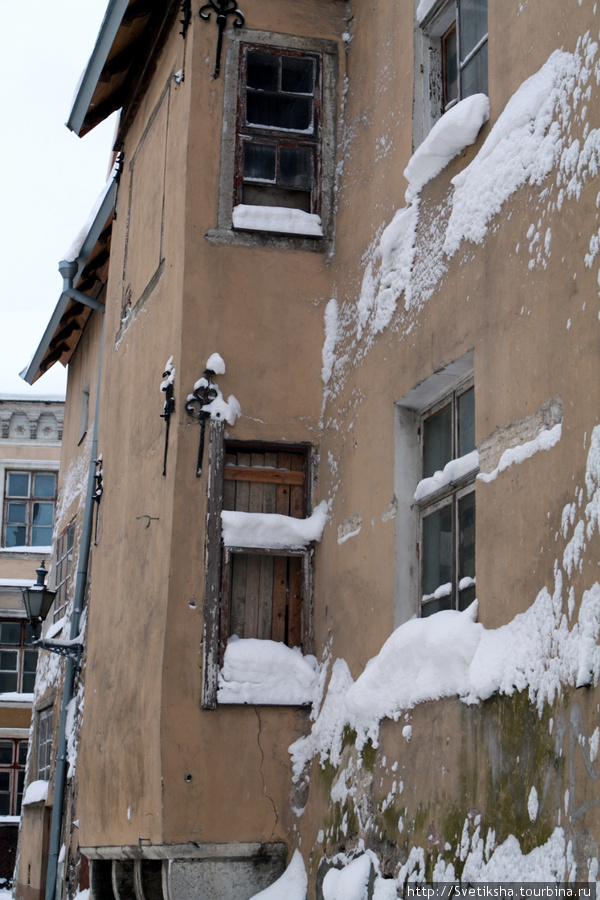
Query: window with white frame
{"points": [[435, 471], [64, 560], [278, 140], [454, 56], [29, 499]]}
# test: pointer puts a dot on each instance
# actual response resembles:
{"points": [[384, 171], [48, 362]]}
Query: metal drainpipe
{"points": [[68, 270]]}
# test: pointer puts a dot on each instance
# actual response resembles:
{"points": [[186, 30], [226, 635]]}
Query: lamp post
{"points": [[37, 600]]}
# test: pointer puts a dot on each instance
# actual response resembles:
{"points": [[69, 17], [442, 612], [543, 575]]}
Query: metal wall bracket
{"points": [[222, 8], [71, 651]]}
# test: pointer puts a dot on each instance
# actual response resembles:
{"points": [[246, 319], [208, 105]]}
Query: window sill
{"points": [[269, 240]]}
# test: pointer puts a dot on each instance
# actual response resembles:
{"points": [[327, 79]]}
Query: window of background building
{"points": [[18, 660], [264, 592], [29, 508], [13, 758], [64, 560], [447, 533], [44, 743]]}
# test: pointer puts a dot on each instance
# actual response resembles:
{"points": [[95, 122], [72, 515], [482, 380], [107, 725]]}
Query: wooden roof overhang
{"points": [[67, 322], [122, 61]]}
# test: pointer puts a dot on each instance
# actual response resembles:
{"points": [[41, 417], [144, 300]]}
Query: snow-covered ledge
{"points": [[277, 219], [266, 673], [271, 531]]}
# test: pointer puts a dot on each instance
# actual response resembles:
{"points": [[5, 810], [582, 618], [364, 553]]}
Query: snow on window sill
{"points": [[454, 471], [276, 219], [270, 531], [266, 673], [41, 551]]}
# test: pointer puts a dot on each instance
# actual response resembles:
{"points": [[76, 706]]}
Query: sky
{"points": [[49, 178]]}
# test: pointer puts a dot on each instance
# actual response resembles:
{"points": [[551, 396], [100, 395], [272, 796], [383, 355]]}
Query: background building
{"points": [[338, 602], [29, 460]]}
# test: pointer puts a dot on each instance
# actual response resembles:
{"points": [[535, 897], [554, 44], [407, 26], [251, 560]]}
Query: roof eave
{"points": [[33, 371], [106, 36]]}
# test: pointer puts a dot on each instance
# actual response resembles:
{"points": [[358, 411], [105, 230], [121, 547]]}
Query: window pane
{"points": [[297, 75], [279, 111], [22, 753], [44, 484], [437, 551], [450, 66], [8, 682], [17, 513], [42, 513], [296, 167], [262, 72], [259, 161], [466, 536], [15, 536], [10, 633], [6, 753], [8, 660], [466, 422], [437, 436], [29, 668], [474, 75], [17, 484], [473, 24]]}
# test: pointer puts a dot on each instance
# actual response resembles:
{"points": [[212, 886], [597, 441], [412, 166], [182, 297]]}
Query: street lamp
{"points": [[37, 600]]}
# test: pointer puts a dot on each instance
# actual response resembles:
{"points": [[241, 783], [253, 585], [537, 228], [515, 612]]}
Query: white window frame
{"points": [[22, 465], [328, 53], [409, 414], [428, 99]]}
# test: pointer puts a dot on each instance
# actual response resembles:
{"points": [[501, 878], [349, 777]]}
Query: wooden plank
{"points": [[297, 492], [265, 597], [270, 490], [295, 602], [263, 474], [283, 490], [212, 585], [236, 598], [229, 486], [252, 596], [278, 628], [242, 489]]}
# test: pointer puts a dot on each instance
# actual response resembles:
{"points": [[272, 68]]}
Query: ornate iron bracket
{"points": [[222, 8], [201, 396], [98, 490], [70, 651], [169, 405], [186, 9]]}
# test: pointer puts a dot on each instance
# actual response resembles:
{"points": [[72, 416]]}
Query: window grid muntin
{"points": [[308, 200], [449, 495]]}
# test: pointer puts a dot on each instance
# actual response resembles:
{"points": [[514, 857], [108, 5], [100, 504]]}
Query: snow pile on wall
{"points": [[449, 653], [266, 672], [36, 792], [291, 886], [271, 530]]}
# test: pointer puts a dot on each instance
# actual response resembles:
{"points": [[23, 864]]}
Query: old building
{"points": [[336, 520], [29, 460]]}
